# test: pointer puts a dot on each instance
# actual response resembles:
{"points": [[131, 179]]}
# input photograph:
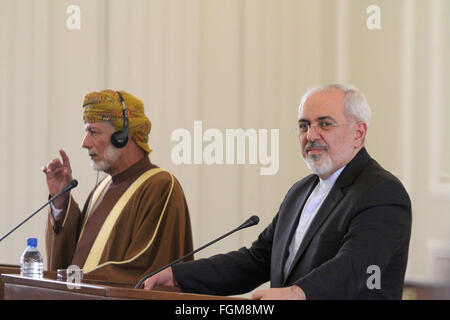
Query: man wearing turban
{"points": [[136, 219]]}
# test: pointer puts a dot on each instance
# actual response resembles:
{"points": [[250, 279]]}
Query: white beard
{"points": [[111, 156], [319, 167], [323, 167]]}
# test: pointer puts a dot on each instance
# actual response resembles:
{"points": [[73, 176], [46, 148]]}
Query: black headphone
{"points": [[119, 139]]}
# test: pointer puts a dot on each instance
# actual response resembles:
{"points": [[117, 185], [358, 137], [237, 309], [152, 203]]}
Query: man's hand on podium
{"points": [[287, 293], [163, 278]]}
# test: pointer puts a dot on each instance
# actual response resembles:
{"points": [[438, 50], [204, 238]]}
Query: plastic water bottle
{"points": [[31, 263]]}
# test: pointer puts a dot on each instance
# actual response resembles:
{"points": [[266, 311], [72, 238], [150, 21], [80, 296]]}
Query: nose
{"points": [[312, 133], [86, 143]]}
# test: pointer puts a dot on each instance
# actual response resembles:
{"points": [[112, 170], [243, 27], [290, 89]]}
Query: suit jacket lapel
{"points": [[347, 177], [289, 224]]}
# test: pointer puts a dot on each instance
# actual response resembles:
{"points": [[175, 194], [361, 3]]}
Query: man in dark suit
{"points": [[341, 233]]}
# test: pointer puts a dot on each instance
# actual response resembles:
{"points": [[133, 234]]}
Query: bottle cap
{"points": [[32, 242]]}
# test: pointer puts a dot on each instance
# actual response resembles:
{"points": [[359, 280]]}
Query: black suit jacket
{"points": [[355, 248]]}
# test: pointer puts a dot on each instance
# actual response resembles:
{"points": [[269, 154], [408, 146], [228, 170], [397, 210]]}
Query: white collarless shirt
{"points": [[310, 210]]}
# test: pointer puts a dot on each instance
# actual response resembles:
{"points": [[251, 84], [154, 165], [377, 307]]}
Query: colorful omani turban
{"points": [[106, 106]]}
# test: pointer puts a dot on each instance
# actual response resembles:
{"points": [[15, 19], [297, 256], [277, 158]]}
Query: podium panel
{"points": [[15, 287]]}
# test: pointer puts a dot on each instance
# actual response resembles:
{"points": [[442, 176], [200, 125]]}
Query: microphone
{"points": [[253, 220], [72, 184]]}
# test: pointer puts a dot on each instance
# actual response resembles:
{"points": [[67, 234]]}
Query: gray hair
{"points": [[356, 105]]}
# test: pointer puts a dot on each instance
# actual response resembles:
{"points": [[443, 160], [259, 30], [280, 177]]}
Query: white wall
{"points": [[231, 64]]}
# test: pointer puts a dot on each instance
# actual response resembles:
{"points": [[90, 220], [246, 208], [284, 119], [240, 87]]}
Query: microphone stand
{"points": [[250, 222], [72, 184]]}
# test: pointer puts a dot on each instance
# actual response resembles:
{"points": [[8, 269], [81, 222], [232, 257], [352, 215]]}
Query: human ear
{"points": [[360, 133]]}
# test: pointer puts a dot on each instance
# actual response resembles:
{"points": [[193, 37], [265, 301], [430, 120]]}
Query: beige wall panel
{"points": [[220, 82], [272, 92], [8, 218], [376, 68], [25, 114]]}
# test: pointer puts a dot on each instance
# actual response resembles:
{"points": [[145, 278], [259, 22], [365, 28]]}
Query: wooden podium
{"points": [[15, 287]]}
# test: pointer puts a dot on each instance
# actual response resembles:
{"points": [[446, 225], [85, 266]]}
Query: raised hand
{"points": [[58, 176]]}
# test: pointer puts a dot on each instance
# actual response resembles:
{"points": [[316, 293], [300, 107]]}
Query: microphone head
{"points": [[253, 220], [73, 183]]}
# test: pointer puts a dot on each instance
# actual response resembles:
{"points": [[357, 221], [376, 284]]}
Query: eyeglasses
{"points": [[304, 126]]}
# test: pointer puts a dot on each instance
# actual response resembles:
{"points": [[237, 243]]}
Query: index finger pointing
{"points": [[65, 158]]}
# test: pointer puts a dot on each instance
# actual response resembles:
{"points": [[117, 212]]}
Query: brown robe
{"points": [[139, 242]]}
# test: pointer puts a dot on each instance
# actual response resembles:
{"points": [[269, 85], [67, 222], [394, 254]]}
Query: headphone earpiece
{"points": [[119, 139]]}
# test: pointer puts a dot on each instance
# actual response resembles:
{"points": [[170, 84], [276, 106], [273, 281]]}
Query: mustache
{"points": [[315, 145]]}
